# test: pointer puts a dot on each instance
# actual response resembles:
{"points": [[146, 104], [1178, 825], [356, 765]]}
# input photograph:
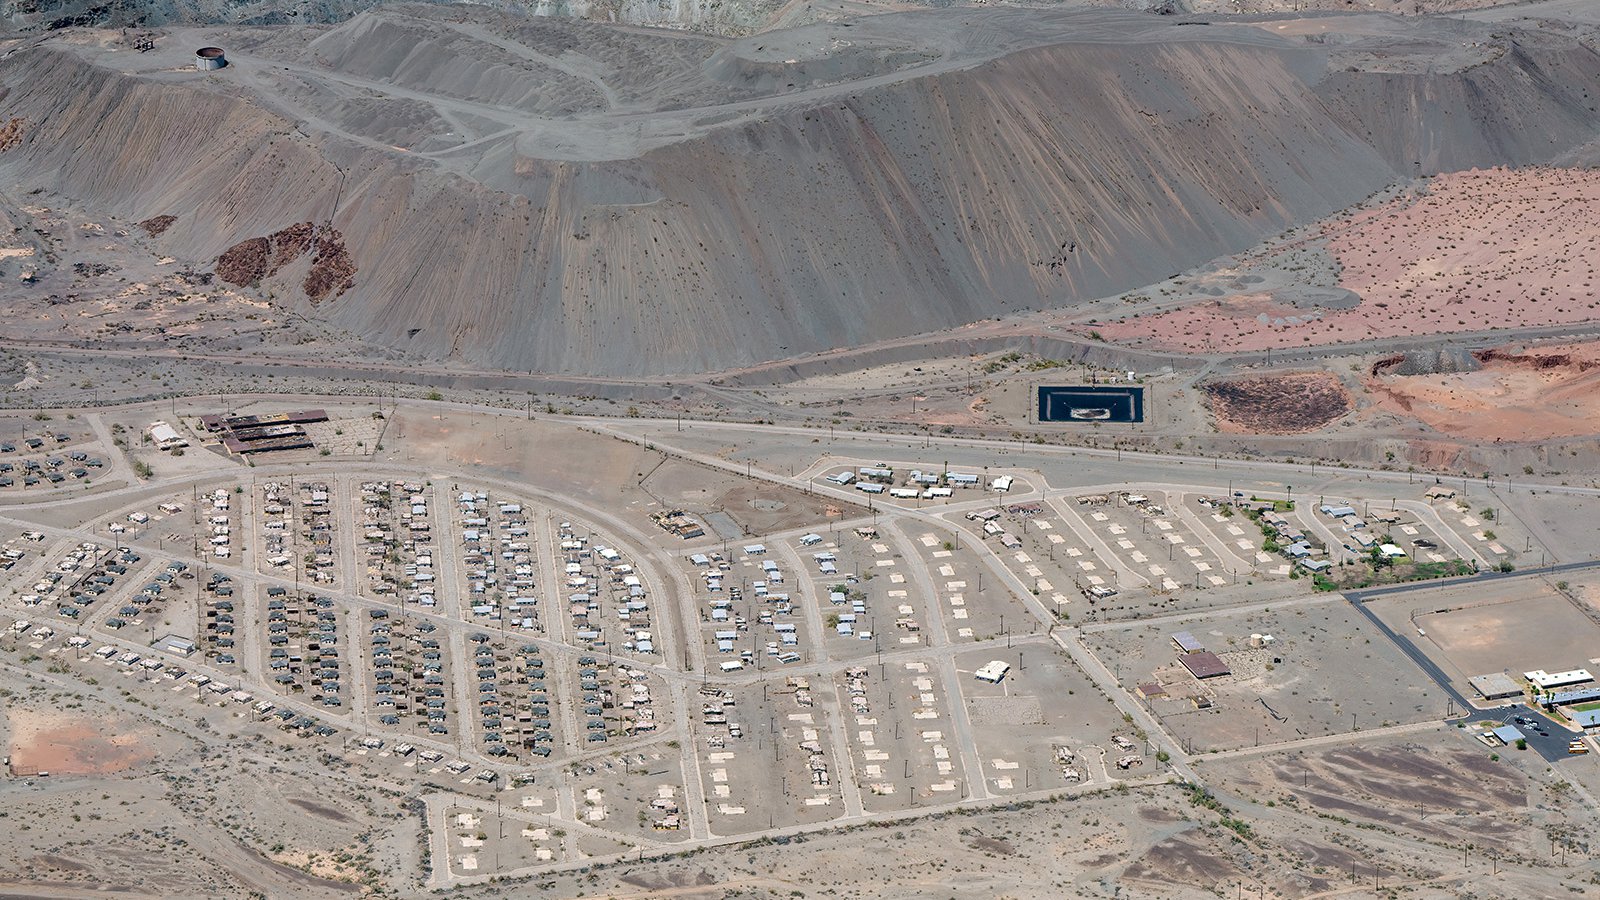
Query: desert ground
{"points": [[1435, 259], [602, 450], [1065, 776]]}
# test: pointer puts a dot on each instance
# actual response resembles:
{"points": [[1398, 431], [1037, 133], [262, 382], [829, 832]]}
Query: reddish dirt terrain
{"points": [[63, 744], [1288, 403], [1546, 393], [155, 226], [1499, 248], [332, 272]]}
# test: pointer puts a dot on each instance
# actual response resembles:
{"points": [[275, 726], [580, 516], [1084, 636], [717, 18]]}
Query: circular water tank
{"points": [[207, 58]]}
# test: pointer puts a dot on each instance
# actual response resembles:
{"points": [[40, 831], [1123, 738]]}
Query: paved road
{"points": [[1553, 744]]}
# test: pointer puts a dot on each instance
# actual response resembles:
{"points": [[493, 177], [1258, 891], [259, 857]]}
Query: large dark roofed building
{"points": [[1204, 664]]}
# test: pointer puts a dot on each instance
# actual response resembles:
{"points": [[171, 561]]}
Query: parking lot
{"points": [[1484, 526], [1236, 534], [1512, 627]]}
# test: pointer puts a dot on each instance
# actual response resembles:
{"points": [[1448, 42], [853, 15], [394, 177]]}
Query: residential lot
{"points": [[499, 574], [770, 605], [411, 676], [919, 484], [1045, 555], [307, 648], [1045, 724], [902, 740], [533, 680], [297, 524], [764, 758], [972, 602], [35, 458], [607, 595], [637, 793], [1139, 528], [397, 542]]}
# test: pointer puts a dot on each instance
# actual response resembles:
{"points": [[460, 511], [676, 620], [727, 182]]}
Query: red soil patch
{"points": [[63, 744], [245, 263], [1514, 397], [1291, 403], [290, 243], [157, 225], [332, 270], [11, 133], [1471, 251]]}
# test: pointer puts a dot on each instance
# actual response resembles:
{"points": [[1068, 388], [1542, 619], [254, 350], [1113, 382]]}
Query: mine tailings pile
{"points": [[898, 209]]}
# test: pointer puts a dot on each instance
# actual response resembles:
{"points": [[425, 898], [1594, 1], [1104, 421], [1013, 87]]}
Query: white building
{"points": [[166, 437], [994, 671], [1548, 680]]}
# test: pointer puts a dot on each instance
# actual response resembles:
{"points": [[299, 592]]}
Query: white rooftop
{"points": [[1557, 679]]}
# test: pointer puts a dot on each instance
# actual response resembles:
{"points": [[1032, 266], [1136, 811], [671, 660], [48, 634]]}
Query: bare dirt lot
{"points": [[1511, 628], [1327, 671], [598, 469], [1453, 793], [62, 743]]}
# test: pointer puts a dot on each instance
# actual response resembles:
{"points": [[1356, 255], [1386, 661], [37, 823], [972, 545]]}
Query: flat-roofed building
{"points": [[1548, 680], [1204, 664], [1495, 686]]}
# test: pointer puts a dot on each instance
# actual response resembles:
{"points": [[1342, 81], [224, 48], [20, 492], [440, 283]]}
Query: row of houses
{"points": [[397, 533], [928, 484], [497, 560], [409, 683], [315, 528], [1359, 529]]}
